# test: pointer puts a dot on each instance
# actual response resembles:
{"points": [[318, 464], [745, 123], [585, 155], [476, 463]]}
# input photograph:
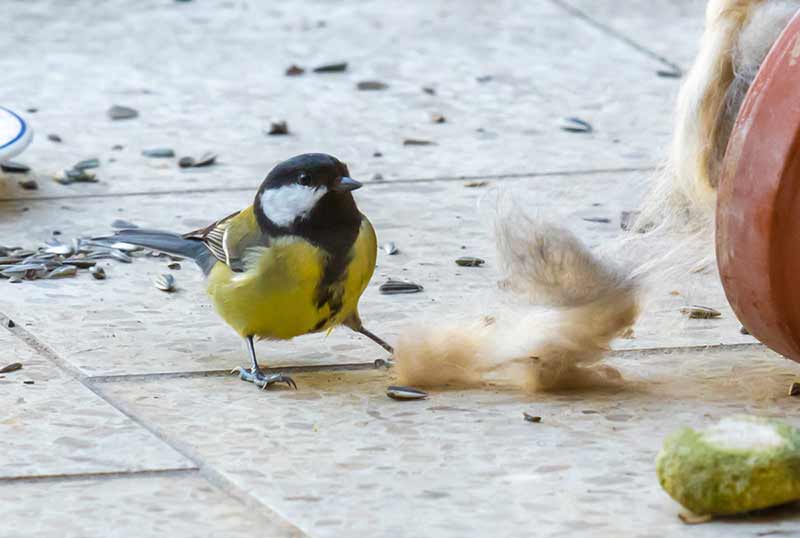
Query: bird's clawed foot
{"points": [[260, 379]]}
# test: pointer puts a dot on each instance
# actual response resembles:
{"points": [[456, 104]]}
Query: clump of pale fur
{"points": [[568, 306], [737, 37]]}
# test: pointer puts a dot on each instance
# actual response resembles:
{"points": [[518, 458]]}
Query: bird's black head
{"points": [[312, 188]]}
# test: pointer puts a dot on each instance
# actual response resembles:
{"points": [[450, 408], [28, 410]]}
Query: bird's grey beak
{"points": [[346, 184]]}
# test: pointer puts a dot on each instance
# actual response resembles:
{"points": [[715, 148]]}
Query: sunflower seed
{"points": [[10, 260], [367, 85], [165, 282], [28, 184], [390, 248], [52, 137], [29, 382], [12, 167], [394, 287], [675, 72], [63, 272], [120, 224], [331, 68], [278, 128], [206, 159], [75, 176], [110, 253], [475, 184], [700, 312], [429, 90], [417, 142], [294, 71], [13, 367], [80, 263], [186, 162], [119, 112], [438, 118], [61, 250], [87, 164], [175, 266], [396, 392], [97, 272], [575, 125], [159, 153], [25, 270], [14, 280], [484, 78], [531, 418], [469, 261], [600, 220]]}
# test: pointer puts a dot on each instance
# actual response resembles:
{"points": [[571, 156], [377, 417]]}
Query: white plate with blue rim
{"points": [[15, 134]]}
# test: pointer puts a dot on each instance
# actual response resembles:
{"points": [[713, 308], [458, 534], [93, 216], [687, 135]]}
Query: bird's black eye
{"points": [[304, 179]]}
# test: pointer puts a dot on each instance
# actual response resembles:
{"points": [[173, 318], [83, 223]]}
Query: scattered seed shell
{"points": [[165, 282], [469, 261], [29, 382], [395, 287], [52, 137], [278, 128], [97, 272], [700, 312], [390, 248], [429, 90], [369, 85], [693, 519], [575, 125], [396, 392], [331, 68], [28, 184], [794, 389], [87, 164], [175, 266], [13, 367], [294, 71], [599, 220], [118, 112], [475, 184], [159, 153], [12, 167], [531, 418], [64, 271], [670, 73], [417, 142]]}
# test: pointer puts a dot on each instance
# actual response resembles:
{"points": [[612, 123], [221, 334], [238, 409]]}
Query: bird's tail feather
{"points": [[168, 243]]}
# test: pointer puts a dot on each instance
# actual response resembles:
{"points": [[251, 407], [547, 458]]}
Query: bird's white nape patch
{"points": [[285, 204]]}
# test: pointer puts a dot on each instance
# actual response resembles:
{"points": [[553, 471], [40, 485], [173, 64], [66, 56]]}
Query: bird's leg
{"points": [[378, 340], [256, 376]]}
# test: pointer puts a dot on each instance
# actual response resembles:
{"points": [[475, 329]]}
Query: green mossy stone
{"points": [[741, 464]]}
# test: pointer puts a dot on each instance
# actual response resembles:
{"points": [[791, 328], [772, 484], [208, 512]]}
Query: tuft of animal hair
{"points": [[737, 37], [563, 309]]}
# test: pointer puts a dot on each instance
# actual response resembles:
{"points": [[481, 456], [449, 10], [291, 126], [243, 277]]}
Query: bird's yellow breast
{"points": [[276, 296]]}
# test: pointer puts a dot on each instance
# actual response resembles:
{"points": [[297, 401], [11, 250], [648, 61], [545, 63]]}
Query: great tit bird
{"points": [[294, 262]]}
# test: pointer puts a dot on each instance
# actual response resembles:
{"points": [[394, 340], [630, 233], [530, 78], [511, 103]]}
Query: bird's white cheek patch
{"points": [[283, 205]]}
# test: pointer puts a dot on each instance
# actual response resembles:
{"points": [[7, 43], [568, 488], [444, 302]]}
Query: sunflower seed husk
{"points": [[87, 164], [278, 128], [368, 85], [694, 519], [12, 167], [675, 72], [25, 270], [599, 220], [396, 392], [80, 263], [110, 253], [119, 112], [74, 176], [394, 287], [390, 248], [28, 184], [10, 260], [63, 272], [52, 137], [165, 282], [574, 125], [294, 71], [97, 272], [159, 153], [60, 249], [331, 68], [206, 159], [531, 418], [175, 266], [418, 142], [13, 367], [120, 224], [700, 312], [475, 184], [470, 261], [14, 280]]}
